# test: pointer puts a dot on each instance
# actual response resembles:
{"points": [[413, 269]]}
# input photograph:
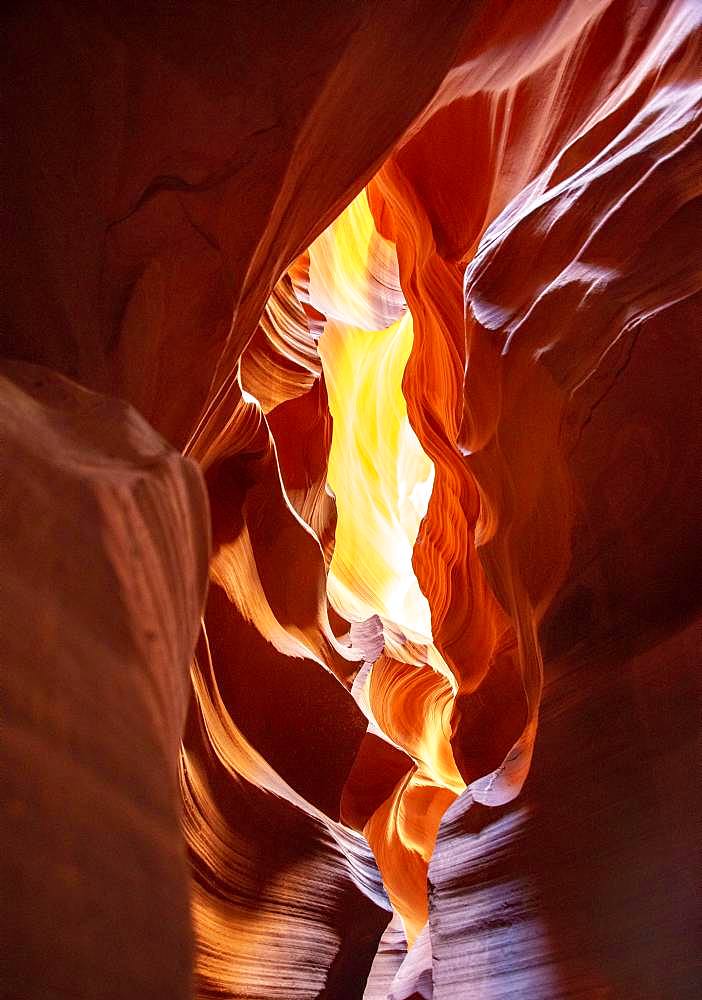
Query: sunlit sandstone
{"points": [[417, 297]]}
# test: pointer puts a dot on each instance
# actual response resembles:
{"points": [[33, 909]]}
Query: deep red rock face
{"points": [[104, 569], [413, 297]]}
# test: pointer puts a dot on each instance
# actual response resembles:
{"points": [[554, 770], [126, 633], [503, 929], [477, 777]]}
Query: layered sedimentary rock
{"points": [[104, 571], [584, 885], [567, 296], [163, 168], [419, 297]]}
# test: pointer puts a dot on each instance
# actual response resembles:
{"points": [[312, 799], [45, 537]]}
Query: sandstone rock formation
{"points": [[105, 542], [411, 293]]}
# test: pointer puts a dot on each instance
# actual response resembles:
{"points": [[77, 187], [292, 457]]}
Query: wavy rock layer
{"points": [[163, 168], [567, 292], [580, 886], [442, 705]]}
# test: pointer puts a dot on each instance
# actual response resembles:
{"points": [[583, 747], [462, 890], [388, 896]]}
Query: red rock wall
{"points": [[105, 544], [473, 702]]}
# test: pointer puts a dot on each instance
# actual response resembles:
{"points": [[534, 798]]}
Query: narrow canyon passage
{"points": [[351, 509]]}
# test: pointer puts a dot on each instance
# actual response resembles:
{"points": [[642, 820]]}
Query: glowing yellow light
{"points": [[380, 475]]}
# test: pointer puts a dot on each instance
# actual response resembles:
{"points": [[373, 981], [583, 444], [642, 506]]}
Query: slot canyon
{"points": [[351, 500]]}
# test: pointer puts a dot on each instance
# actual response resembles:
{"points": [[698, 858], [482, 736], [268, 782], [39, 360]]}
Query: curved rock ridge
{"points": [[271, 869], [577, 229], [418, 299], [382, 480], [163, 169], [503, 403], [281, 361], [584, 885]]}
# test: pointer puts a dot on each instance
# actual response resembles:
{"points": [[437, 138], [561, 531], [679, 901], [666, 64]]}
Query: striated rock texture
{"points": [[584, 886], [105, 544], [566, 402], [416, 288]]}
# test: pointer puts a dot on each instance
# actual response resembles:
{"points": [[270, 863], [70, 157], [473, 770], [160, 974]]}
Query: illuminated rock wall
{"points": [[419, 295]]}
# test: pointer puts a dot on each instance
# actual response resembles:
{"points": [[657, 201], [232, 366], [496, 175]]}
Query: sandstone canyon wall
{"points": [[351, 500]]}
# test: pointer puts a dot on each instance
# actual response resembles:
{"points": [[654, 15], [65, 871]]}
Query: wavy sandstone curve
{"points": [[416, 293]]}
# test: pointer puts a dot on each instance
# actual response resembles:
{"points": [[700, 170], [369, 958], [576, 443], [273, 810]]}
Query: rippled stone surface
{"points": [[420, 296]]}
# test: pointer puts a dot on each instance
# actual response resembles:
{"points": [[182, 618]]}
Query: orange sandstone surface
{"points": [[351, 500]]}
